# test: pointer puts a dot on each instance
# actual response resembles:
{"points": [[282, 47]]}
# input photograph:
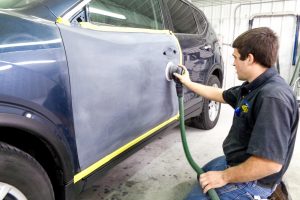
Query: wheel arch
{"points": [[42, 142], [217, 70]]}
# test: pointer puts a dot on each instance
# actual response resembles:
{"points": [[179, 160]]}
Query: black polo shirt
{"points": [[264, 124]]}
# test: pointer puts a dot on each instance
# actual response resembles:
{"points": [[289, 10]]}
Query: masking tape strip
{"points": [[120, 29], [91, 26], [63, 21], [117, 152]]}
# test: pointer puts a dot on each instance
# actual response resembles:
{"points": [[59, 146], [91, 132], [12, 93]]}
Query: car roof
{"points": [[46, 9]]}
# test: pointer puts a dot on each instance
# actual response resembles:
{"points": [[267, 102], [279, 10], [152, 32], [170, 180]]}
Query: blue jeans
{"points": [[231, 191]]}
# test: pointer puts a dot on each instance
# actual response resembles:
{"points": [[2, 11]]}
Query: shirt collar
{"points": [[261, 79]]}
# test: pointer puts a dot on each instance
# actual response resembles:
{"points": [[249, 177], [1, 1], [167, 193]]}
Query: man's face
{"points": [[241, 66]]}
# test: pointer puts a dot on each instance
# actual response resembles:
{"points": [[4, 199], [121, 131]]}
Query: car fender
{"points": [[50, 134]]}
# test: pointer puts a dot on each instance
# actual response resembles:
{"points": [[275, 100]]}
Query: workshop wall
{"points": [[230, 20]]}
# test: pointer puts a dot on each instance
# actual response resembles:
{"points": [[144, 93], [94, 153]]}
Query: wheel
{"points": [[22, 177], [211, 109]]}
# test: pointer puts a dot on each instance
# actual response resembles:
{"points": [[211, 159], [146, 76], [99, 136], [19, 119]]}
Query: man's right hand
{"points": [[208, 92], [185, 77]]}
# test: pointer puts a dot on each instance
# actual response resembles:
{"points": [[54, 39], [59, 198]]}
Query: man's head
{"points": [[261, 42], [254, 52]]}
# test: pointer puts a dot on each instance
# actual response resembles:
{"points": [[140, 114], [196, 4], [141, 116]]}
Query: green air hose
{"points": [[212, 193], [170, 70]]}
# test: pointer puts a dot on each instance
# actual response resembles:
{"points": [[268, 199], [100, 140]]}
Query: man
{"points": [[260, 143]]}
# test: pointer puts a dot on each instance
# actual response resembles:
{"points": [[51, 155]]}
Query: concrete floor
{"points": [[160, 171]]}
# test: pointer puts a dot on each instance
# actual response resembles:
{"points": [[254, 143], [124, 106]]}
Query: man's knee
{"points": [[216, 164]]}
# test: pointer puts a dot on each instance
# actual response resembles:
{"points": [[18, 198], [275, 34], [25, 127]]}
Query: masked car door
{"points": [[119, 91]]}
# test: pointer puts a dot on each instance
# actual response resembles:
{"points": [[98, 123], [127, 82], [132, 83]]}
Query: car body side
{"points": [[35, 97]]}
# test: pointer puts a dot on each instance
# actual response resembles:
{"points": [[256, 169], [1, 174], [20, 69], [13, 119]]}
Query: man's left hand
{"points": [[211, 180]]}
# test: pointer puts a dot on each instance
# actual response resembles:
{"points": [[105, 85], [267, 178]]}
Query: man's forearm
{"points": [[252, 169], [208, 92]]}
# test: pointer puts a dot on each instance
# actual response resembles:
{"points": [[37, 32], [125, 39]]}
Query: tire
{"points": [[209, 116], [22, 177]]}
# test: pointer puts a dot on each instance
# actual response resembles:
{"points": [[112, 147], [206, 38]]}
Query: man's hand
{"points": [[185, 77], [208, 92], [254, 168], [211, 180]]}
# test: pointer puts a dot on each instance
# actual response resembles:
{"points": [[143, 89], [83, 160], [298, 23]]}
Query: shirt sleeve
{"points": [[272, 131], [231, 96]]}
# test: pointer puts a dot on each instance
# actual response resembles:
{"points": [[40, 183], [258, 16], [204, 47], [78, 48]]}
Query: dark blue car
{"points": [[82, 85]]}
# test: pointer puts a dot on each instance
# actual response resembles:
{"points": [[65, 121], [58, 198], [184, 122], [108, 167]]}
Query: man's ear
{"points": [[250, 58]]}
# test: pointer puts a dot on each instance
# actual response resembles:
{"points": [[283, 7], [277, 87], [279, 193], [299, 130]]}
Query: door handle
{"points": [[169, 52]]}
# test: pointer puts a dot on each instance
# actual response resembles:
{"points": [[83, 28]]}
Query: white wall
{"points": [[230, 20]]}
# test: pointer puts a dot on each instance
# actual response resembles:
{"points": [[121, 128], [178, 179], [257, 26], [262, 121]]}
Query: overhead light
{"points": [[106, 13]]}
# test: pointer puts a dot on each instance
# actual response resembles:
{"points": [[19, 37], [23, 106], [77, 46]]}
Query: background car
{"points": [[83, 85]]}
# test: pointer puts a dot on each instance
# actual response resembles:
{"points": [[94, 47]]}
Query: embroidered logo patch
{"points": [[245, 108]]}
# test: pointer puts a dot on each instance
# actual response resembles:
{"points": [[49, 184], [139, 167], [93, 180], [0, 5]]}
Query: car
{"points": [[83, 86]]}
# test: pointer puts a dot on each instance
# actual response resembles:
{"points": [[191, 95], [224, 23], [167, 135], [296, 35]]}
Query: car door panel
{"points": [[118, 85]]}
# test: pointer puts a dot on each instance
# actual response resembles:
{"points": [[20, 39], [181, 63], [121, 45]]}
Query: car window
{"points": [[182, 17], [13, 4], [201, 21], [126, 13]]}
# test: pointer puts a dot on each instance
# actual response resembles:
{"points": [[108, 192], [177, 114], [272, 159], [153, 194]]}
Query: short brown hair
{"points": [[261, 42]]}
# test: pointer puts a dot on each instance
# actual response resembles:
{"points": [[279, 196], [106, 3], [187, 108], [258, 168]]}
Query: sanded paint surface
{"points": [[118, 87]]}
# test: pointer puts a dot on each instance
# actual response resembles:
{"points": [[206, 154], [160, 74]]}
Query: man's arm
{"points": [[208, 92], [252, 169]]}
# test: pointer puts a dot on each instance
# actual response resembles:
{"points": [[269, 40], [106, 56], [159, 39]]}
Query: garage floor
{"points": [[160, 170]]}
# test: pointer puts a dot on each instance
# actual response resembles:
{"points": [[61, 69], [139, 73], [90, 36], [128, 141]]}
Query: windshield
{"points": [[15, 4]]}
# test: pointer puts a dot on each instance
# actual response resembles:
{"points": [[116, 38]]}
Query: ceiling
{"points": [[205, 3]]}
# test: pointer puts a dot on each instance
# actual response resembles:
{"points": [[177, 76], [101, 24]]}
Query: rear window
{"points": [[201, 21], [14, 4], [182, 17]]}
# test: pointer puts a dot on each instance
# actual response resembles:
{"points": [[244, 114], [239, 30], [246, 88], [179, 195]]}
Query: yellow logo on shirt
{"points": [[245, 108]]}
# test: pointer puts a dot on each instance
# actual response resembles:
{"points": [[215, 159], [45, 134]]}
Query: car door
{"points": [[191, 30], [117, 62]]}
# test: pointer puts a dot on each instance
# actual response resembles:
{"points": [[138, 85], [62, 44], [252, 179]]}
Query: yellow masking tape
{"points": [[120, 29], [109, 157], [63, 21]]}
